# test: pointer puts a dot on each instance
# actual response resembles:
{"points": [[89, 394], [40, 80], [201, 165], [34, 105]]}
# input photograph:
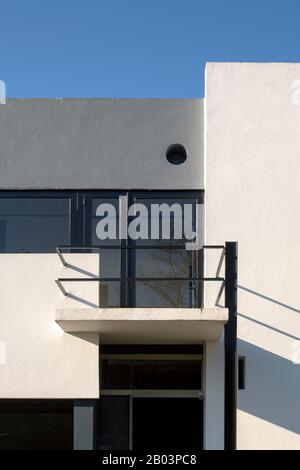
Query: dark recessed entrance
{"points": [[151, 401], [167, 423]]}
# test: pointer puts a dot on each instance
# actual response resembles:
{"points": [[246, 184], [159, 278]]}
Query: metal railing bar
{"points": [[97, 248], [120, 247], [61, 256], [214, 247], [134, 247], [60, 286], [137, 279]]}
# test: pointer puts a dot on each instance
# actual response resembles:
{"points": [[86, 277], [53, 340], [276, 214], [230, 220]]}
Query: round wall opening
{"points": [[176, 154]]}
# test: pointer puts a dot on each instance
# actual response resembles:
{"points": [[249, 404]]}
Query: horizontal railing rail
{"points": [[127, 279], [60, 249]]}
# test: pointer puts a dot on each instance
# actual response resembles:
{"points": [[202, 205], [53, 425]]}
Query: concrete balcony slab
{"points": [[146, 325]]}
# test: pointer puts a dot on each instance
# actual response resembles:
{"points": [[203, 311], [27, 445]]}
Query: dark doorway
{"points": [[150, 398], [167, 423]]}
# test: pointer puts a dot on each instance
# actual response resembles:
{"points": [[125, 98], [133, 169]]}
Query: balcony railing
{"points": [[165, 286]]}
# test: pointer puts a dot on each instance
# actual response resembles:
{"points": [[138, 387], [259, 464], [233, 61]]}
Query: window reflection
{"points": [[110, 259], [167, 264], [170, 263], [34, 225], [150, 374]]}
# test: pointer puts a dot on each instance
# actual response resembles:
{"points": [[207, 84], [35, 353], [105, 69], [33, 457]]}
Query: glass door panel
{"points": [[170, 225], [159, 253], [102, 230]]}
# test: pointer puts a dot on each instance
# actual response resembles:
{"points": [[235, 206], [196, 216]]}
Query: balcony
{"points": [[84, 305]]}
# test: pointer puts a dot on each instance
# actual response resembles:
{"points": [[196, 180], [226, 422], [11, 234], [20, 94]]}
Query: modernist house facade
{"points": [[147, 342]]}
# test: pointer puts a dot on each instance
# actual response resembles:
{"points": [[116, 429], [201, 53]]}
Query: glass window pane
{"points": [[173, 226], [105, 211], [34, 225], [167, 375], [115, 374], [168, 263], [151, 374], [164, 294], [105, 221], [36, 426], [110, 263], [169, 220], [109, 294], [110, 267]]}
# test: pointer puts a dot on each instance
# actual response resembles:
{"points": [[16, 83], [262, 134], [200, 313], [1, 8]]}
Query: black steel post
{"points": [[231, 255]]}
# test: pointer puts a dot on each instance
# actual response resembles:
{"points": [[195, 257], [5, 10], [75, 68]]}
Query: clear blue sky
{"points": [[137, 48]]}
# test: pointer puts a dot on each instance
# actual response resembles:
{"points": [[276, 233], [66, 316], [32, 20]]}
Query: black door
{"points": [[167, 424], [113, 423], [158, 424]]}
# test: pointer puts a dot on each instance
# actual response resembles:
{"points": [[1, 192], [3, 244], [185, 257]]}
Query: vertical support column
{"points": [[230, 346], [84, 424]]}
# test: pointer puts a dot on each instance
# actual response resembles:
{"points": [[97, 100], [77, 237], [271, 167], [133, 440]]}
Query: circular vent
{"points": [[176, 154]]}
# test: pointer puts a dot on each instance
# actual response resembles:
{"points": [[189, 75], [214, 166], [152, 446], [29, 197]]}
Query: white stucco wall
{"points": [[99, 144], [37, 359], [252, 195]]}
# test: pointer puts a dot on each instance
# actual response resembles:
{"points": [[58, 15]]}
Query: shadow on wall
{"points": [[273, 384], [265, 297], [276, 302], [272, 387]]}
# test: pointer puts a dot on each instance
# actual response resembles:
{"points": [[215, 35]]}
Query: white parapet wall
{"points": [[252, 150], [37, 358], [100, 143]]}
